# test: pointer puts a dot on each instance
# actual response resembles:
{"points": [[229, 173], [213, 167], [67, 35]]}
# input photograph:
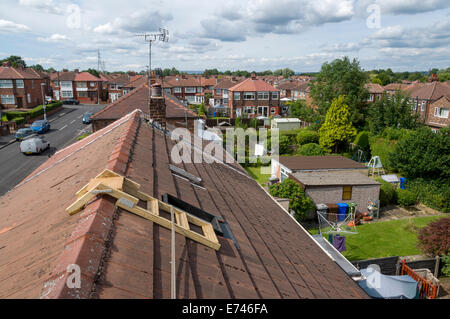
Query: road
{"points": [[66, 126]]}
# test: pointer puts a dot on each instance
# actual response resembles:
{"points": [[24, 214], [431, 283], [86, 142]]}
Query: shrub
{"points": [[284, 144], [446, 268], [19, 120], [391, 133], [387, 193], [307, 137], [311, 149], [433, 238], [362, 140], [383, 148], [299, 202], [433, 193], [405, 197]]}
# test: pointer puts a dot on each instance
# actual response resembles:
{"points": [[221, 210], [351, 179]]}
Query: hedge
{"points": [[433, 193], [382, 147], [388, 194], [307, 137], [405, 197], [35, 112]]}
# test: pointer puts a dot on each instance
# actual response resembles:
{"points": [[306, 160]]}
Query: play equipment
{"points": [[374, 208], [359, 156], [375, 166]]}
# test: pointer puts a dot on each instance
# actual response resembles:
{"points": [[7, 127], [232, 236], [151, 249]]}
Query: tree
{"points": [[423, 153], [337, 130], [300, 110], [94, 72], [433, 238], [15, 61], [310, 149], [37, 67], [392, 111], [341, 77], [299, 202]]}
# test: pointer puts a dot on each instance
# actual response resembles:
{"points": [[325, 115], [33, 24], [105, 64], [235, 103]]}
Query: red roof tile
{"points": [[86, 76], [253, 85]]}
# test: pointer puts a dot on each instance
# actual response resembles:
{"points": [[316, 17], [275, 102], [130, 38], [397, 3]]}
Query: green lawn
{"points": [[255, 172], [385, 239]]}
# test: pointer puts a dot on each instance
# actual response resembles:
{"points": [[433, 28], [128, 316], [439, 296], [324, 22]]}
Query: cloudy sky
{"points": [[228, 35]]}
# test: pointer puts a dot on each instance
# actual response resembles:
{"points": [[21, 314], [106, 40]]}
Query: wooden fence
{"points": [[426, 289]]}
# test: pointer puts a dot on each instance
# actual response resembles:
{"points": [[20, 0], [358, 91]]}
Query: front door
{"points": [[19, 102]]}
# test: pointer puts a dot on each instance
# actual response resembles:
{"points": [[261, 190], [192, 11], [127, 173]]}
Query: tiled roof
{"points": [[10, 73], [253, 85], [374, 88], [121, 79], [63, 76], [184, 82], [225, 84], [430, 91], [395, 86], [138, 99], [86, 76], [318, 162], [122, 255], [136, 82]]}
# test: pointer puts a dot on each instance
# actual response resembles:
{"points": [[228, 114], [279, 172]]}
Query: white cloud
{"points": [[9, 26], [43, 5], [54, 38]]}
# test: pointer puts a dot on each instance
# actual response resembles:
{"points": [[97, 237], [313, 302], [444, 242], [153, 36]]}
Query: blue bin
{"points": [[402, 182], [342, 211]]}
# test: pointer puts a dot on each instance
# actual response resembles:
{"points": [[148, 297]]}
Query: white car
{"points": [[34, 145]]}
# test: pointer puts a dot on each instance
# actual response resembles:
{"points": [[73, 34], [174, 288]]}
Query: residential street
{"points": [[66, 126]]}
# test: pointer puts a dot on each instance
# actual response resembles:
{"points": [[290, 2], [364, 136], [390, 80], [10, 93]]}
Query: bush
{"points": [[405, 197], [299, 202], [388, 194], [433, 238], [311, 149], [307, 137], [433, 193], [284, 144], [446, 268], [383, 148], [362, 140], [19, 120], [391, 133]]}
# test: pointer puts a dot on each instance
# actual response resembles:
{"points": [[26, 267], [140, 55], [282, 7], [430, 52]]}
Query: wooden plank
{"points": [[80, 202], [182, 220]]}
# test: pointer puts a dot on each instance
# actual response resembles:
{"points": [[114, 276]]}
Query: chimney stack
{"points": [[253, 76], [157, 105], [6, 64]]}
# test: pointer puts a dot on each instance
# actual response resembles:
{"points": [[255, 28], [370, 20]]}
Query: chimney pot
{"points": [[253, 76]]}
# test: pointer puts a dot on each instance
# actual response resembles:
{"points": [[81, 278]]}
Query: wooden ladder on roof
{"points": [[128, 196]]}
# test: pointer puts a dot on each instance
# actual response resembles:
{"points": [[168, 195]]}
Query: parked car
{"points": [[34, 145], [87, 118], [40, 126], [71, 101], [23, 133]]}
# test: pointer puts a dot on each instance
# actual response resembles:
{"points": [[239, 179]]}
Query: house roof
{"points": [[329, 178], [430, 91], [11, 73], [122, 255], [374, 88], [86, 76], [297, 163], [138, 99], [444, 101], [136, 82], [63, 76], [225, 84], [121, 79], [289, 85], [179, 81], [253, 85]]}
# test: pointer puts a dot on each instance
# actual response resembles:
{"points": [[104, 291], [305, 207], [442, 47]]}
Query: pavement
{"points": [[66, 126]]}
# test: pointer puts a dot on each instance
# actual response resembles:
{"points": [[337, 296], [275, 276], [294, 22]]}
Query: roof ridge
{"points": [[121, 99], [14, 69]]}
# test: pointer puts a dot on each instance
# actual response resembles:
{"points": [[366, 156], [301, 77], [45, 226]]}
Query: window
{"points": [[263, 95], [81, 84], [441, 112], [249, 110], [236, 95], [6, 84], [199, 89], [56, 84], [19, 84], [83, 94], [113, 86], [166, 90], [66, 85], [370, 99], [274, 95], [66, 94], [177, 89], [218, 91], [273, 110], [189, 89], [249, 95], [424, 104], [347, 193], [92, 84], [8, 99]]}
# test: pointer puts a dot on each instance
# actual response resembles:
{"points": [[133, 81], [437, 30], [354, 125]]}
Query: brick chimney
{"points": [[157, 105], [76, 71], [253, 76], [6, 64]]}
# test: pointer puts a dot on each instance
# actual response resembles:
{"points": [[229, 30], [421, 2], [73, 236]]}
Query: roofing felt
{"points": [[295, 163], [253, 85], [122, 255], [327, 178]]}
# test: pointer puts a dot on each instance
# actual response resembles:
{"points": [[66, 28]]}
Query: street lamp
{"points": [[43, 100]]}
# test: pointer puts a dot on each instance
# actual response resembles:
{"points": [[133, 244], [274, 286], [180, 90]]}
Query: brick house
{"points": [[115, 86], [187, 89], [423, 95], [62, 84], [84, 87], [134, 82], [438, 113], [20, 87], [252, 98], [375, 92], [220, 91]]}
